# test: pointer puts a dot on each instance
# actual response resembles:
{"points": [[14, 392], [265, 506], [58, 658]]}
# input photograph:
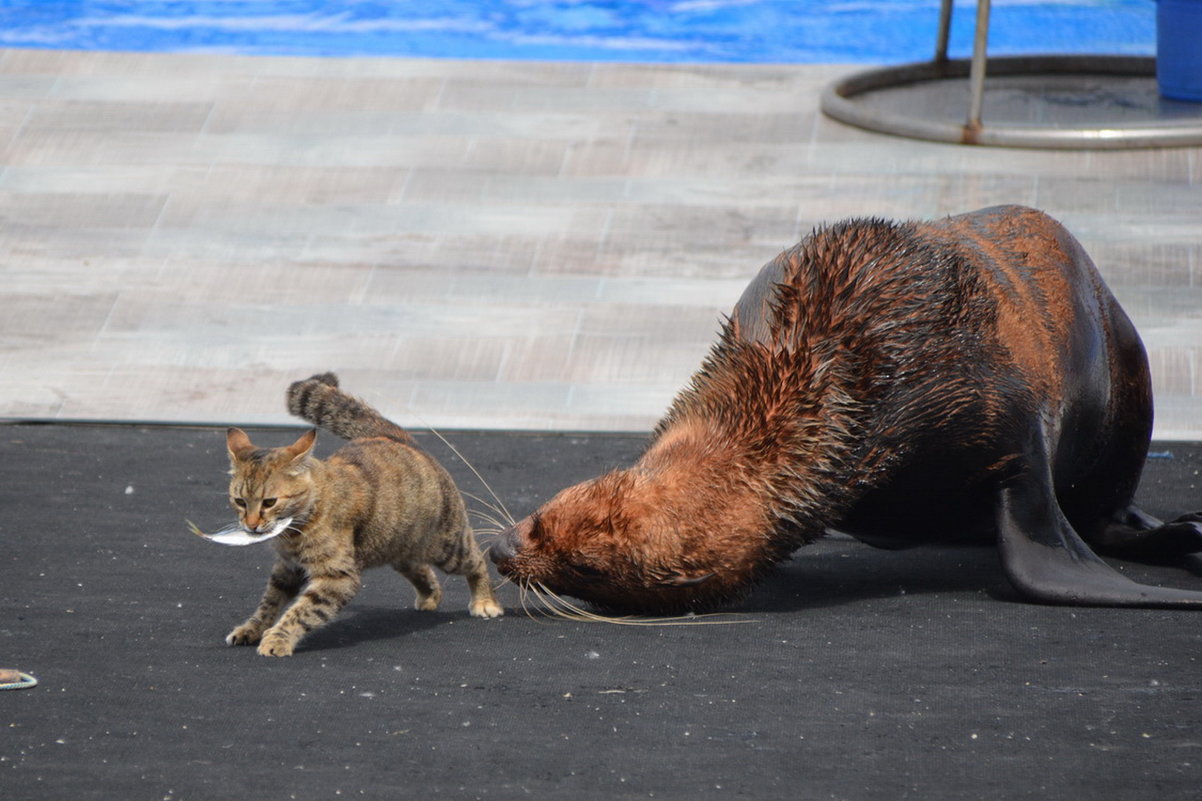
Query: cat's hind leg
{"points": [[472, 565], [283, 585], [463, 558], [429, 592], [484, 603]]}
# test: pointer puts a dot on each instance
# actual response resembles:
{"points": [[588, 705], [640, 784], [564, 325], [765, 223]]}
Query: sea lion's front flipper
{"points": [[1048, 561]]}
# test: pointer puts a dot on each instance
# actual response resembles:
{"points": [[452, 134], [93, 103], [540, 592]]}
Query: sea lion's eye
{"points": [[586, 571]]}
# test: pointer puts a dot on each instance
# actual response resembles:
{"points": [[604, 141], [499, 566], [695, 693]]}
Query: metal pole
{"points": [[976, 75], [945, 27]]}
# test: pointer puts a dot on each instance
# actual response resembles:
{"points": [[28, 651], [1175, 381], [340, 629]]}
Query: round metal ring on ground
{"points": [[1029, 101]]}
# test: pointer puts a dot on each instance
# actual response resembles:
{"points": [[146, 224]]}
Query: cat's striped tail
{"points": [[319, 400]]}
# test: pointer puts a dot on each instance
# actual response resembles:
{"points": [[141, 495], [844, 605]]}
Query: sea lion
{"points": [[969, 378]]}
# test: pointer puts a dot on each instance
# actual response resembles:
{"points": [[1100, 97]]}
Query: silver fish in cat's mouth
{"points": [[236, 534]]}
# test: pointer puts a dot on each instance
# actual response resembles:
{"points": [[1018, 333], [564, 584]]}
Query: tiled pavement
{"points": [[476, 244]]}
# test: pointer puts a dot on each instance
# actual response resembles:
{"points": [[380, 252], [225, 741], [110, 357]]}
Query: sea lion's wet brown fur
{"points": [[966, 378]]}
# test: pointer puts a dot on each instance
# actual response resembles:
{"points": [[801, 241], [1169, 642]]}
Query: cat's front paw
{"points": [[246, 634], [486, 608], [276, 644]]}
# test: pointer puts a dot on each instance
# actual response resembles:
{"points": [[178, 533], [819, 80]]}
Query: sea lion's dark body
{"points": [[1068, 377], [969, 378]]}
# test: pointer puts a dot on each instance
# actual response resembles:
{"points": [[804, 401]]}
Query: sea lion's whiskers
{"points": [[555, 605], [500, 507], [495, 526], [560, 606], [505, 580], [526, 591], [548, 603], [491, 512]]}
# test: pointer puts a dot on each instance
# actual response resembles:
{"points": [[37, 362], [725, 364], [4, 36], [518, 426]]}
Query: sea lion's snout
{"points": [[508, 544]]}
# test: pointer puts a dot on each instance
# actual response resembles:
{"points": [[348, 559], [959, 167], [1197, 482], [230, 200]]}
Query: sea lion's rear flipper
{"points": [[1048, 561], [1134, 534]]}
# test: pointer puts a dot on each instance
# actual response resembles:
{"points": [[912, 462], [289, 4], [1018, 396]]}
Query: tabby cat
{"points": [[378, 500]]}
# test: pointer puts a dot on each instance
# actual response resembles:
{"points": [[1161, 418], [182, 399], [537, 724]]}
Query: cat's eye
{"points": [[240, 503], [269, 502]]}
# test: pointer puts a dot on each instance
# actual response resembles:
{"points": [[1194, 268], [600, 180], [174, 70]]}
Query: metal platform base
{"points": [[1032, 101]]}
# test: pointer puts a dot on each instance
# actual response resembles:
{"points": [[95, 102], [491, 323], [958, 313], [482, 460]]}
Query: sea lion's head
{"points": [[635, 541], [601, 541]]}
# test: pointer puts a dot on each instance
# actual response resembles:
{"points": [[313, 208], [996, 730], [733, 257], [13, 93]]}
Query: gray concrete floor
{"points": [[476, 244]]}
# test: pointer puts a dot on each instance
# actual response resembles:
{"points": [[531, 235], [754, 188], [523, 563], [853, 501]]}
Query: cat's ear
{"points": [[300, 450], [238, 444]]}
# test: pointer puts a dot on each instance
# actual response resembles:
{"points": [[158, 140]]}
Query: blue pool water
{"points": [[617, 30]]}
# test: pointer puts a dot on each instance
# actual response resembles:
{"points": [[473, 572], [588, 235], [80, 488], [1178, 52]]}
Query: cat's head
{"points": [[269, 484]]}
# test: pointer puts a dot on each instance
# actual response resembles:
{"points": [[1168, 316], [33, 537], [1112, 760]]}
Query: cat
{"points": [[378, 500]]}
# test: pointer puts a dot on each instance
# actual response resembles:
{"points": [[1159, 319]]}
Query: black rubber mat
{"points": [[851, 673]]}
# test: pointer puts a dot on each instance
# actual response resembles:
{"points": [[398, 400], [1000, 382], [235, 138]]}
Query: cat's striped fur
{"points": [[378, 500]]}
